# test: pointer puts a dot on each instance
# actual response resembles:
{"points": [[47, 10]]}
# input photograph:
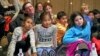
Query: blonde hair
{"points": [[84, 6]]}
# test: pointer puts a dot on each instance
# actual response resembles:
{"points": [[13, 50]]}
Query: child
{"points": [[38, 12], [91, 15], [96, 31], [23, 38], [78, 33], [85, 11], [45, 36], [48, 8], [61, 25]]}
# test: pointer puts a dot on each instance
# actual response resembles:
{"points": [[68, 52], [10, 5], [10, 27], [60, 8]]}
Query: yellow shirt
{"points": [[60, 33]]}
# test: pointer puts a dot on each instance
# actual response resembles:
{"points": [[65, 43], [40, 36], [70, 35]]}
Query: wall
{"points": [[70, 5]]}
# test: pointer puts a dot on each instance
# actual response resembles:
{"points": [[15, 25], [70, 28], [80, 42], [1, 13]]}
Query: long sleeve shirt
{"points": [[75, 33], [61, 29], [17, 36], [46, 37]]}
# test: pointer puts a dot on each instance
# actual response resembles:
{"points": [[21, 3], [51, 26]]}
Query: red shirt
{"points": [[24, 36], [97, 44]]}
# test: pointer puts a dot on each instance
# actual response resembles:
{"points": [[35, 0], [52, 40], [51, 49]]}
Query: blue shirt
{"points": [[75, 32], [88, 19]]}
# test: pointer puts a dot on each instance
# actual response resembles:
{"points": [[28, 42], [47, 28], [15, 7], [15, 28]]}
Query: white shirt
{"points": [[17, 36]]}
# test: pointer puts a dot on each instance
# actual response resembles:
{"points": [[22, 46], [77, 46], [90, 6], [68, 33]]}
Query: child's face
{"points": [[49, 9], [40, 7], [46, 21], [28, 24], [91, 15], [78, 21], [97, 15], [63, 20], [85, 9]]}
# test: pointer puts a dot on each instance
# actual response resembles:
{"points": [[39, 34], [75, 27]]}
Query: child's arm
{"points": [[11, 47], [36, 35], [69, 37], [54, 40], [32, 41]]}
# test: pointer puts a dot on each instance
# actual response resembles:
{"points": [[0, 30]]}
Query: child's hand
{"points": [[34, 54], [80, 40]]}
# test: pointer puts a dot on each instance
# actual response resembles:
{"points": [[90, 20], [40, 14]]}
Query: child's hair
{"points": [[36, 6], [72, 18], [96, 11], [90, 12], [25, 19], [42, 16], [84, 6], [61, 14], [47, 4]]}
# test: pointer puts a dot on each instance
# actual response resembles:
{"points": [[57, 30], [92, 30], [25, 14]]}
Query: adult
{"points": [[28, 10]]}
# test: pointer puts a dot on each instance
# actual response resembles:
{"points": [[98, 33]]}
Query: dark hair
{"points": [[27, 17], [44, 14], [61, 14], [96, 11], [47, 4], [72, 18], [91, 12], [23, 7], [36, 6]]}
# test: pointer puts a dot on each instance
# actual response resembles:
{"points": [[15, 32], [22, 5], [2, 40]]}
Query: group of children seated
{"points": [[43, 39]]}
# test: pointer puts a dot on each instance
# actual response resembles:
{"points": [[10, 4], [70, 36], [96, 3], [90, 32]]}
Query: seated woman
{"points": [[78, 33], [23, 38]]}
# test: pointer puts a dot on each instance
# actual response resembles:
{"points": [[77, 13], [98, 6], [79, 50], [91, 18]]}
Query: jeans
{"points": [[46, 51]]}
